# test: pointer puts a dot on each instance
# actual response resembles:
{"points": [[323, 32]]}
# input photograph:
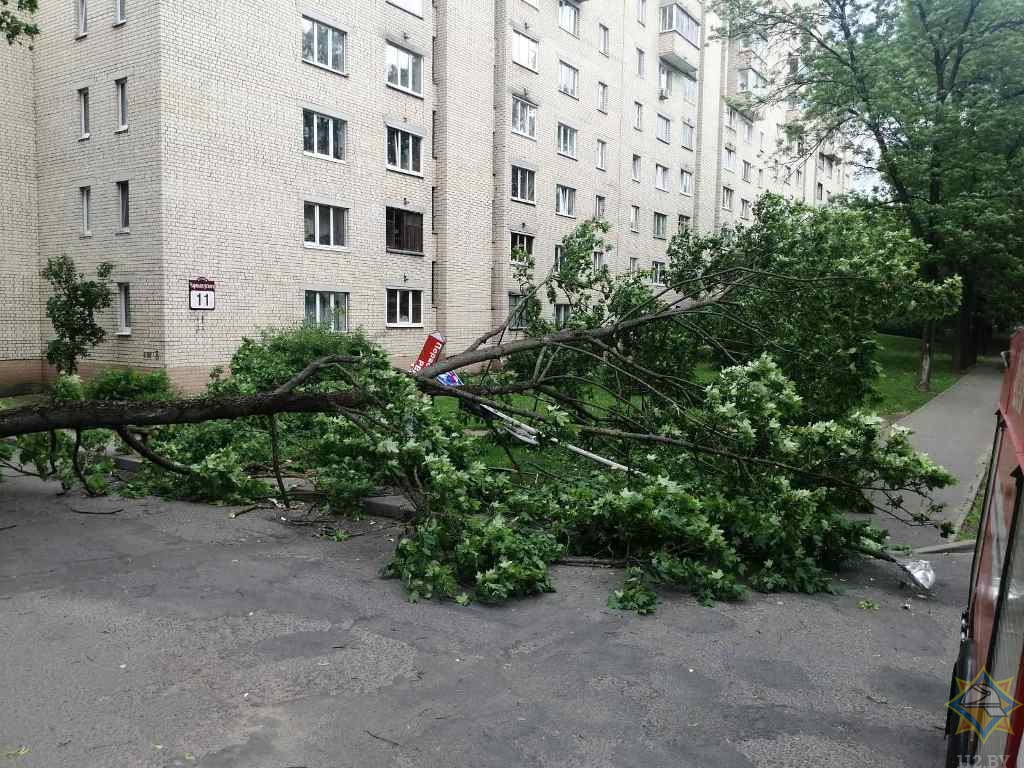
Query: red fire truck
{"points": [[985, 720]]}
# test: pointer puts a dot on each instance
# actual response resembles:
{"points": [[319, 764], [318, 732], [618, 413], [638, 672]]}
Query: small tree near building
{"points": [[72, 309]]}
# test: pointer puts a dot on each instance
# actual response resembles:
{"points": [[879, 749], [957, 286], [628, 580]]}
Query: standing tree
{"points": [[14, 19], [931, 94], [72, 310]]}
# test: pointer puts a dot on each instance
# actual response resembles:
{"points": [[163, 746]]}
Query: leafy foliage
{"points": [[116, 384], [72, 309], [15, 23]]}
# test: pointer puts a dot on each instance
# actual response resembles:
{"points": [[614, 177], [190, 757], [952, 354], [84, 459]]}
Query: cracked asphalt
{"points": [[168, 634]]}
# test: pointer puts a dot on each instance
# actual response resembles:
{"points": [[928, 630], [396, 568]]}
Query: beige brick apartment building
{"points": [[372, 163]]}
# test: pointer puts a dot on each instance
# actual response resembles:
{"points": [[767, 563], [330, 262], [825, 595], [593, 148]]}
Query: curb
{"points": [[972, 490]]}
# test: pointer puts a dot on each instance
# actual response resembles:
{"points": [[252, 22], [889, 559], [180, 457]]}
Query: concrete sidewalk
{"points": [[955, 428]]}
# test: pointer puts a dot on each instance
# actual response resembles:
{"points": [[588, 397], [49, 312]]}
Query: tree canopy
{"points": [[931, 94]]}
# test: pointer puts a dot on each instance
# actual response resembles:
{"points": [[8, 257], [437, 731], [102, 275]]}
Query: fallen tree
{"points": [[744, 453]]}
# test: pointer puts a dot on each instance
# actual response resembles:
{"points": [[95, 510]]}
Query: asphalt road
{"points": [[169, 635]]}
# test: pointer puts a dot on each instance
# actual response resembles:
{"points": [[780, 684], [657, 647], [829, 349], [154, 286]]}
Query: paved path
{"points": [[168, 635], [955, 428]]}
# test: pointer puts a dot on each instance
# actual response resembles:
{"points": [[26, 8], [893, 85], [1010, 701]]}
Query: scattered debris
{"points": [[90, 512], [868, 605], [8, 527], [381, 738]]}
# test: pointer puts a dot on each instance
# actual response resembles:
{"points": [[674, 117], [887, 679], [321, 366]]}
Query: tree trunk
{"points": [[924, 372], [965, 352]]}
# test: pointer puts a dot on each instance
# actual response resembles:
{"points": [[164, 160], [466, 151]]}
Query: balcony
{"points": [[679, 42]]}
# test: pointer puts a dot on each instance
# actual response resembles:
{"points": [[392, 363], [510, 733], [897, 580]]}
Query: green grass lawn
{"points": [[19, 401], [897, 387]]}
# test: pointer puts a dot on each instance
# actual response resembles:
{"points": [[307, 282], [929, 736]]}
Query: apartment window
{"points": [[561, 315], [568, 79], [760, 177], [566, 140], [82, 16], [323, 45], [819, 193], [603, 39], [664, 129], [597, 259], [638, 115], [675, 19], [637, 162], [325, 225], [328, 309], [85, 195], [748, 170], [727, 198], [322, 135], [658, 272], [121, 96], [516, 320], [660, 225], [689, 89], [602, 154], [686, 182], [565, 200], [559, 256], [641, 11], [600, 206], [683, 223], [524, 50], [664, 80], [748, 132], [799, 177], [569, 17], [522, 247], [744, 209], [731, 115], [523, 181], [120, 11], [634, 265], [404, 151], [641, 63], [124, 309], [749, 79], [405, 307], [602, 97], [689, 133], [524, 117], [729, 159], [404, 230], [661, 177], [404, 69], [83, 112], [634, 218], [124, 219]]}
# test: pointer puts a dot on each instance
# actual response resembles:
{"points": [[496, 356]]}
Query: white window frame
{"points": [[333, 152], [121, 100], [525, 50], [641, 12], [398, 137], [597, 258], [566, 137], [526, 112], [573, 14], [634, 265], [727, 198], [525, 244], [657, 273], [602, 97], [637, 168], [661, 177], [337, 318], [559, 256], [660, 226], [334, 209], [568, 79], [82, 18], [604, 39], [85, 198], [688, 135], [124, 206], [602, 155], [83, 113], [600, 206], [562, 311], [691, 91], [124, 309], [664, 128], [683, 222], [638, 115], [729, 159], [565, 201], [748, 131], [120, 12], [515, 315], [314, 25], [634, 218], [745, 209], [399, 60], [402, 296], [641, 63], [685, 182], [527, 177]]}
